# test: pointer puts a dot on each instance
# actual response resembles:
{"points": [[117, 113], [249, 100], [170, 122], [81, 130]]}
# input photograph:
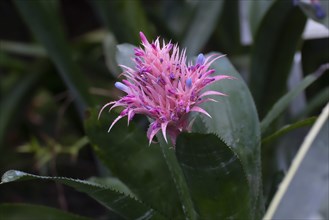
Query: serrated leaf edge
{"points": [[24, 174]]}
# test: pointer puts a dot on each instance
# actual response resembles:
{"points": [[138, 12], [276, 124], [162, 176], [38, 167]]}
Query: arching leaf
{"points": [[215, 177], [118, 202]]}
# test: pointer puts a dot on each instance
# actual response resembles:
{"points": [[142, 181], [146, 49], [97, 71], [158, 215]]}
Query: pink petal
{"points": [[209, 61], [220, 77], [127, 68], [100, 112], [115, 121], [152, 133], [212, 93], [116, 105], [205, 100], [141, 111], [173, 133], [164, 128], [131, 114], [190, 125], [198, 109], [209, 58], [143, 38], [217, 78]]}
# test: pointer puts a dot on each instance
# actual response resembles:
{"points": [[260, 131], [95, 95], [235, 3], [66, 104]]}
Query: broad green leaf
{"points": [[287, 128], [257, 11], [113, 183], [126, 153], [318, 10], [306, 183], [273, 51], [125, 19], [227, 33], [215, 177], [33, 212], [201, 26], [284, 101], [124, 205], [235, 121], [43, 21]]}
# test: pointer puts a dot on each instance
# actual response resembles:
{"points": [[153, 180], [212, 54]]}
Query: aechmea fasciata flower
{"points": [[165, 88]]}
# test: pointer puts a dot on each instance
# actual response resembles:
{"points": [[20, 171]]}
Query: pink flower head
{"points": [[165, 88]]}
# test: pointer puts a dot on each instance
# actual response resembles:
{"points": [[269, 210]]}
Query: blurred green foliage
{"points": [[58, 64]]}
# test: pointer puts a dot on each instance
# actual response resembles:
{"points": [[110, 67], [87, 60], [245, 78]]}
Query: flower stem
{"points": [[178, 177]]}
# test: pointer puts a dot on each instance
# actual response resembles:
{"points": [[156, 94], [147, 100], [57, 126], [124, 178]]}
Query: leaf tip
{"points": [[11, 175]]}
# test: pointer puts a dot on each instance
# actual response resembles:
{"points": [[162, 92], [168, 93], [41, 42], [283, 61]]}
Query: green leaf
{"points": [[215, 176], [287, 128], [126, 154], [201, 26], [319, 100], [284, 101], [124, 55], [125, 19], [118, 202], [271, 62], [257, 11], [43, 21], [32, 212], [318, 11], [227, 34], [235, 121], [113, 183], [116, 55], [306, 183], [177, 175]]}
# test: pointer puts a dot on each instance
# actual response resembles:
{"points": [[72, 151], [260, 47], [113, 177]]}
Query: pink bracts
{"points": [[165, 88]]}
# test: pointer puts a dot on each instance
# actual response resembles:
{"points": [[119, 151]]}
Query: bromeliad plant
{"points": [[196, 154], [198, 174], [210, 167]]}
